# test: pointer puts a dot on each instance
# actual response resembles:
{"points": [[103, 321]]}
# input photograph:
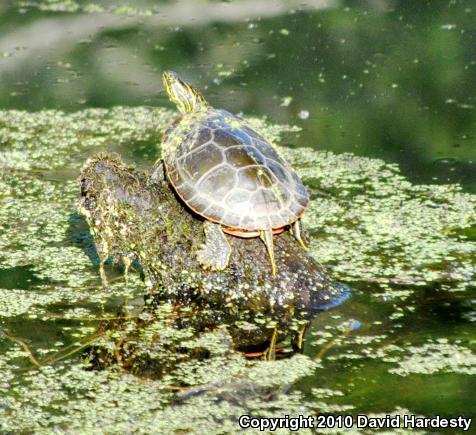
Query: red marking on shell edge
{"points": [[248, 234]]}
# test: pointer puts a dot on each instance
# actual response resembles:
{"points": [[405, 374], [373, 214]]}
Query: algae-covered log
{"points": [[135, 216]]}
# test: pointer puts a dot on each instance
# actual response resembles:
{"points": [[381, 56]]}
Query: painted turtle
{"points": [[229, 174]]}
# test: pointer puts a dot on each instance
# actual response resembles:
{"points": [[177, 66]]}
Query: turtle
{"points": [[229, 174]]}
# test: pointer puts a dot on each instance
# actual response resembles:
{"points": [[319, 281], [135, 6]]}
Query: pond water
{"points": [[390, 80]]}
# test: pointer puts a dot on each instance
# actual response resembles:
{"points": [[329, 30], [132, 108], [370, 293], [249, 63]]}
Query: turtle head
{"points": [[184, 95]]}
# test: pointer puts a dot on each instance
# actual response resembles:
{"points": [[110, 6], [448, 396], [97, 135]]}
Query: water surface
{"points": [[391, 80]]}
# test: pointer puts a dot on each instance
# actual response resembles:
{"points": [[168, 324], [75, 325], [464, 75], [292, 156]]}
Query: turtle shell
{"points": [[228, 173]]}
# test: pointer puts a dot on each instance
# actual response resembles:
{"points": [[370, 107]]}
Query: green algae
{"points": [[366, 223], [375, 226], [433, 357]]}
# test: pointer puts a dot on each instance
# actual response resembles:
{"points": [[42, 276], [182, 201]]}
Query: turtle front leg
{"points": [[215, 253], [296, 230], [158, 172]]}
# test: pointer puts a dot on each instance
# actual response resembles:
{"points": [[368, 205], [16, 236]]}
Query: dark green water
{"points": [[394, 80]]}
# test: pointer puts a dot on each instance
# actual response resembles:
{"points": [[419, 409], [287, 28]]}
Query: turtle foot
{"points": [[209, 260], [215, 253]]}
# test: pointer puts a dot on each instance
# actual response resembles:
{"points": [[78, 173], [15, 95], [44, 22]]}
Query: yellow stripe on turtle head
{"points": [[185, 96]]}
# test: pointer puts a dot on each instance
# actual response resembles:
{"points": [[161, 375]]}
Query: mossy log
{"points": [[134, 216]]}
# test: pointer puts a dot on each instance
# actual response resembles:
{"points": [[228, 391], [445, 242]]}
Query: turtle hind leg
{"points": [[267, 237], [215, 253], [296, 230]]}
